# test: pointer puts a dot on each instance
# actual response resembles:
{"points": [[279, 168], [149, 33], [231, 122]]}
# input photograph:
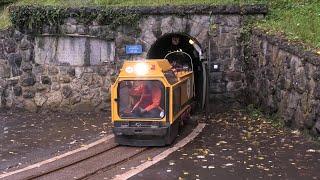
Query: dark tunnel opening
{"points": [[181, 42]]}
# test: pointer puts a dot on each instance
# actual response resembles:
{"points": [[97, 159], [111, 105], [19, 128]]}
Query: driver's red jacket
{"points": [[150, 98]]}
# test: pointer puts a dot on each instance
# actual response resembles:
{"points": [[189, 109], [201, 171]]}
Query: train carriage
{"points": [[149, 100]]}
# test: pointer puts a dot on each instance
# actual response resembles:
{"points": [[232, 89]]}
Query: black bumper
{"points": [[142, 136], [140, 131]]}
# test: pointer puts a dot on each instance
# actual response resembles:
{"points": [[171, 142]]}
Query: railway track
{"points": [[79, 164], [90, 166], [102, 159]]}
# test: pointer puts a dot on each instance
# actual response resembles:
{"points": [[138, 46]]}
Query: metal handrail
{"points": [[165, 57]]}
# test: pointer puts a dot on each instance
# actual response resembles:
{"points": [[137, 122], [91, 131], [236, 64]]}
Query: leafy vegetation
{"points": [[34, 18], [78, 3], [255, 113], [298, 20], [5, 2]]}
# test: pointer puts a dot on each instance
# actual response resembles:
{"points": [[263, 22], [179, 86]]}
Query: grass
{"points": [[255, 112], [4, 18], [71, 3], [298, 20]]}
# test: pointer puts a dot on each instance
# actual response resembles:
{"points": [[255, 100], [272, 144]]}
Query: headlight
{"points": [[129, 69], [141, 69], [162, 114]]}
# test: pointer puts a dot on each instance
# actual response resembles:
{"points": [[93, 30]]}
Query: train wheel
{"points": [[182, 123], [172, 133], [168, 138], [187, 119]]}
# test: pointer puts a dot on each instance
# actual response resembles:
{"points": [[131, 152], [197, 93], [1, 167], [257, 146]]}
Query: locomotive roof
{"points": [[154, 67]]}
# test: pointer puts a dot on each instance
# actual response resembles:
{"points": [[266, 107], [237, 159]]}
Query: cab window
{"points": [[141, 99]]}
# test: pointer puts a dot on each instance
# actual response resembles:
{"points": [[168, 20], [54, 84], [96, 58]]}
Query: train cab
{"points": [[149, 100]]}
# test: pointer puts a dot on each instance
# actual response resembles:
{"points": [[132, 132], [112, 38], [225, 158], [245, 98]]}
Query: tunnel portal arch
{"points": [[179, 41]]}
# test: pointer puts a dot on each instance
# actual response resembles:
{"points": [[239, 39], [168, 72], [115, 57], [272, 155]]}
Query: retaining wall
{"points": [[283, 78], [27, 82]]}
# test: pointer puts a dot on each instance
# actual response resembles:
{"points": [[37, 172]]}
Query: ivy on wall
{"points": [[245, 37], [35, 18], [5, 2]]}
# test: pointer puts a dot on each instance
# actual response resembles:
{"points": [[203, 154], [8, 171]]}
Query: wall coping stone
{"points": [[109, 38], [199, 9], [292, 47]]}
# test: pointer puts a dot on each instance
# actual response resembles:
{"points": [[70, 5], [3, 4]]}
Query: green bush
{"points": [[132, 2], [34, 18], [5, 2]]}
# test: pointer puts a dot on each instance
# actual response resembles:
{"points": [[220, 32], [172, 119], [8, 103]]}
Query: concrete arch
{"points": [[165, 44], [194, 43], [154, 28]]}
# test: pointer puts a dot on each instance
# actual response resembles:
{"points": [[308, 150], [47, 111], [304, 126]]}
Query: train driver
{"points": [[149, 104]]}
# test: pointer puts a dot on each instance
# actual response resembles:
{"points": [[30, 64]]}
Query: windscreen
{"points": [[141, 99]]}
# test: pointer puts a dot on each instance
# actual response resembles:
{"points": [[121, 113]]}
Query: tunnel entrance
{"points": [[182, 42]]}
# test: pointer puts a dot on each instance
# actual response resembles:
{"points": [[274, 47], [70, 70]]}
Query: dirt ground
{"points": [[235, 145], [31, 137]]}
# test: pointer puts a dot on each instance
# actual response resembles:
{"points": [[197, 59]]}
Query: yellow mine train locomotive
{"points": [[149, 100]]}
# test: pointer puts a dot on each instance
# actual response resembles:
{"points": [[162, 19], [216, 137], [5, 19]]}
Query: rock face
{"points": [[40, 99], [4, 69], [284, 79], [28, 80], [29, 105]]}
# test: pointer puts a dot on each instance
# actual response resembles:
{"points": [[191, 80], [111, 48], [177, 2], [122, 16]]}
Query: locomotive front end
{"points": [[147, 100], [139, 112]]}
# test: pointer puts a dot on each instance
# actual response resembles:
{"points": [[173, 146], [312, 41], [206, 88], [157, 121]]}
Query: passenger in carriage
{"points": [[177, 55], [175, 44], [179, 61]]}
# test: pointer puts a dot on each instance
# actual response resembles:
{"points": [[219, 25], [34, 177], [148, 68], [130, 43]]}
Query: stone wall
{"points": [[16, 52], [283, 79], [29, 83], [221, 31], [70, 65]]}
